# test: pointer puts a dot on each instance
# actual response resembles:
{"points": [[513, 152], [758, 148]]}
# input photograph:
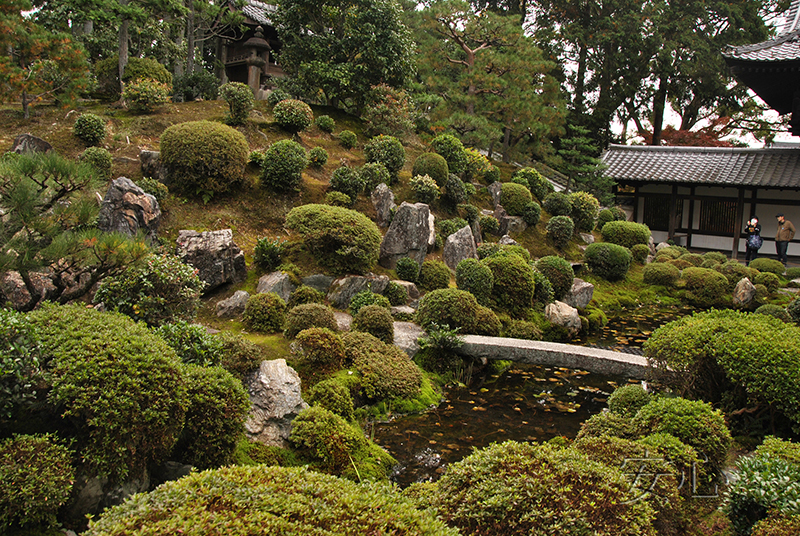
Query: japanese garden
{"points": [[394, 268]]}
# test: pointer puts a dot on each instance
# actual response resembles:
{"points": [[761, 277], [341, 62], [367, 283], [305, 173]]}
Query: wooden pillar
{"points": [[737, 231], [689, 233], [673, 209], [636, 204]]}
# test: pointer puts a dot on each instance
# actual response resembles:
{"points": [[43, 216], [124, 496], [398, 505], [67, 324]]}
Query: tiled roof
{"points": [[722, 166], [783, 48], [259, 11]]}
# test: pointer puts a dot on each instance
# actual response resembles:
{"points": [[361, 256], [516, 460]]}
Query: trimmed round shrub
{"points": [[768, 279], [735, 272], [267, 253], [333, 396], [386, 150], [716, 256], [608, 261], [628, 400], [520, 179], [161, 290], [343, 240], [603, 217], [264, 312], [452, 150], [348, 181], [396, 294], [204, 157], [338, 199], [585, 208], [375, 320], [269, 500], [240, 101], [145, 95], [514, 285], [425, 189], [348, 139], [558, 204], [489, 224], [407, 269], [448, 227], [434, 274], [454, 190], [240, 356], [536, 183], [453, 307], [625, 233], [693, 422], [293, 115], [477, 165], [154, 187], [544, 292], [532, 213], [660, 273], [100, 160], [775, 311], [317, 157], [334, 446], [559, 272], [367, 297], [493, 249], [560, 230], [674, 252], [309, 315], [283, 166], [216, 412], [90, 128], [608, 424], [325, 123], [476, 278], [373, 174], [492, 175], [487, 323], [640, 253], [763, 264], [777, 524], [692, 258], [794, 310], [192, 86], [36, 478], [192, 343], [107, 72], [704, 287], [680, 264], [305, 294], [433, 165], [117, 386], [514, 198], [534, 489], [277, 95], [522, 329], [322, 347]]}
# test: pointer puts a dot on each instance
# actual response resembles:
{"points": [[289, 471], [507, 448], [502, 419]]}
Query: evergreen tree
{"points": [[579, 162]]}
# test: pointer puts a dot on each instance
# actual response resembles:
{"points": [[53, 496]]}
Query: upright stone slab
{"points": [[459, 246], [580, 294], [151, 165], [383, 201], [233, 306], [275, 396], [343, 289], [409, 235], [127, 209], [744, 293], [217, 258]]}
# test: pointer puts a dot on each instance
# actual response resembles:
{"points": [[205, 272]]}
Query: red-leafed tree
{"points": [[37, 64]]}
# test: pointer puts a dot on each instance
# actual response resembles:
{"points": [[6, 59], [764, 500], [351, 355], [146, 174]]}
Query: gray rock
{"points": [[409, 235], [459, 246], [477, 232], [151, 165], [127, 209], [580, 294], [405, 337], [402, 310], [744, 293], [588, 238], [233, 306], [169, 471], [501, 216], [494, 189], [217, 258], [515, 224], [278, 282], [652, 245], [661, 245], [28, 143], [383, 201], [319, 282], [343, 320], [14, 291], [561, 314], [506, 240], [275, 396], [343, 289], [411, 288]]}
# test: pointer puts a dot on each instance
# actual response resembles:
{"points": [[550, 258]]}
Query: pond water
{"points": [[524, 403]]}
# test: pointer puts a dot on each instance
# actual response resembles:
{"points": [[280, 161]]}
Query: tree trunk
{"points": [[506, 144], [123, 50], [578, 101], [659, 104], [26, 113], [190, 43], [178, 69]]}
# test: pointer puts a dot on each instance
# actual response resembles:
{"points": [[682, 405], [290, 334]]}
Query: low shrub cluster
{"points": [[385, 371], [265, 313], [348, 139], [532, 213], [455, 191], [513, 287], [640, 253], [704, 287], [90, 128], [367, 297], [309, 315], [304, 294], [560, 230], [372, 174], [477, 165], [348, 181], [388, 151], [267, 253], [283, 166], [433, 275], [558, 204], [625, 233], [585, 208], [536, 183], [425, 189], [192, 86], [433, 165], [145, 95], [476, 278], [192, 343], [325, 123], [451, 307], [317, 157], [660, 273], [322, 348], [100, 159], [559, 272], [608, 261], [407, 269], [293, 115], [396, 293], [452, 150], [240, 101], [240, 356], [333, 396], [514, 198]]}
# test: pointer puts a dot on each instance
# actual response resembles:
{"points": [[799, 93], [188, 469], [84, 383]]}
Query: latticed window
{"points": [[718, 216], [656, 212]]}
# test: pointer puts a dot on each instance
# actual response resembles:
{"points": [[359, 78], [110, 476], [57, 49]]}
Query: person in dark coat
{"points": [[783, 237], [754, 241]]}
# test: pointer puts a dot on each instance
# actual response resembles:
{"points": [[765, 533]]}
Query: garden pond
{"points": [[523, 403]]}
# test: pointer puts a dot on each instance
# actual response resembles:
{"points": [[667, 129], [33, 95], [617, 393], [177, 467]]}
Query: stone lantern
{"points": [[259, 50]]}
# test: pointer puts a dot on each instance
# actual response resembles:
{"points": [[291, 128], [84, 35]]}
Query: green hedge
{"points": [[515, 198], [475, 277], [432, 165], [283, 165], [625, 233], [704, 287], [608, 261], [514, 284], [559, 272], [660, 273], [449, 306]]}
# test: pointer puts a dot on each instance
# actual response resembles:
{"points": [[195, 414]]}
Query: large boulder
{"points": [[566, 316], [217, 258], [514, 225], [151, 165], [320, 282], [127, 209], [28, 143], [495, 190], [14, 291], [278, 282], [580, 294], [383, 201], [275, 397], [405, 337], [459, 246], [343, 289], [744, 293], [411, 234], [233, 306], [411, 288]]}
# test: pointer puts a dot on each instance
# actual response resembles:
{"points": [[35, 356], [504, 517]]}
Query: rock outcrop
{"points": [[275, 396], [566, 316], [459, 246], [217, 258], [127, 209], [411, 234], [580, 294], [278, 282], [383, 201], [233, 306], [343, 289], [744, 293]]}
